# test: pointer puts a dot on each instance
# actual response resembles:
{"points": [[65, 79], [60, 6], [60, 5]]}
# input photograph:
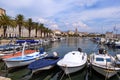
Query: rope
{"points": [[6, 71], [107, 72], [62, 76], [67, 74], [69, 77], [118, 76]]}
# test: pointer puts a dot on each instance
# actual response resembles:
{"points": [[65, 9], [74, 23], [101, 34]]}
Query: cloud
{"points": [[17, 3], [87, 15], [42, 8], [53, 26], [110, 12], [86, 3], [48, 23], [41, 20]]}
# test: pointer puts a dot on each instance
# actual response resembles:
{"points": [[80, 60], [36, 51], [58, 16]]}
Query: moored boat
{"points": [[73, 61], [104, 63], [23, 60], [117, 58], [17, 53], [43, 64]]}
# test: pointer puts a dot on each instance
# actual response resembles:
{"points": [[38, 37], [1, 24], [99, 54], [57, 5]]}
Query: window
{"points": [[108, 60], [99, 59]]}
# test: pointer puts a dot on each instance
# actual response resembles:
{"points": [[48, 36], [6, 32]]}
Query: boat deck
{"points": [[18, 54]]}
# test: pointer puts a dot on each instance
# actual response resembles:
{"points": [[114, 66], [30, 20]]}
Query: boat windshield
{"points": [[108, 60], [99, 59]]}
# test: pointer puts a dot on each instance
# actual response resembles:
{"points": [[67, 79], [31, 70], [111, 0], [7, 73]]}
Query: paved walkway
{"points": [[3, 78]]}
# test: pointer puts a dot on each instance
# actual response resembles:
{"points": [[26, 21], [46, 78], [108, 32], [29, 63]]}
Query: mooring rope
{"points": [[62, 76], [66, 69], [118, 76]]}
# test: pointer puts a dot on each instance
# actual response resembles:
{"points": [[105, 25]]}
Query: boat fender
{"points": [[37, 58], [55, 54]]}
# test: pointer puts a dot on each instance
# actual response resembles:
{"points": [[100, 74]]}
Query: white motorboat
{"points": [[117, 57], [73, 61], [104, 63]]}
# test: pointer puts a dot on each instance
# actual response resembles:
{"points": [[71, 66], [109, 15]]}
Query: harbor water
{"points": [[62, 47]]}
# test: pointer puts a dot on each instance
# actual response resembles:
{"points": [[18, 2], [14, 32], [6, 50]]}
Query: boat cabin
{"points": [[102, 59]]}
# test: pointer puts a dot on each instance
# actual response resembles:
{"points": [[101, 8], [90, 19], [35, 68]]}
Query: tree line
{"points": [[20, 22]]}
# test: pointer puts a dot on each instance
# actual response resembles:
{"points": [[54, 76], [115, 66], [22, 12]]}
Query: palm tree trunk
{"points": [[41, 33], [19, 31], [29, 32], [36, 32], [4, 29]]}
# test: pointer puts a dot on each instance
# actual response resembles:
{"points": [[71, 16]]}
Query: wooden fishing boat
{"points": [[18, 53], [104, 64], [22, 60]]}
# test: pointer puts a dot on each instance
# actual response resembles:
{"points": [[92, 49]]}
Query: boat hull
{"points": [[69, 70], [23, 61], [43, 64], [104, 71], [44, 68], [12, 64], [73, 61]]}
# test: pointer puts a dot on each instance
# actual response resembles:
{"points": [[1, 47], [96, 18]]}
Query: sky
{"points": [[98, 16]]}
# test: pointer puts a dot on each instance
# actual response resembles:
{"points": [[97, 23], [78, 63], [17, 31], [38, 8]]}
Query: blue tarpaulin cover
{"points": [[29, 41], [51, 60]]}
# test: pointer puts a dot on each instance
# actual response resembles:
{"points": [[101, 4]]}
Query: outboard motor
{"points": [[101, 51], [41, 50], [79, 49]]}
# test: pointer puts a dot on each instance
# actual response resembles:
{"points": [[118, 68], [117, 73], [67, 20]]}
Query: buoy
{"points": [[55, 54]]}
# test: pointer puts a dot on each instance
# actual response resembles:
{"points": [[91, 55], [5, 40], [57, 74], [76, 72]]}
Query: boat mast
{"points": [[23, 49], [115, 29]]}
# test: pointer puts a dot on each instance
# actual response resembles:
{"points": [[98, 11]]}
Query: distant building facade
{"points": [[2, 12], [109, 35], [14, 32], [71, 32], [57, 32]]}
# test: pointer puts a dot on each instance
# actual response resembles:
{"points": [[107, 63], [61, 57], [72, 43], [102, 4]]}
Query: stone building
{"points": [[14, 32], [109, 35], [2, 12]]}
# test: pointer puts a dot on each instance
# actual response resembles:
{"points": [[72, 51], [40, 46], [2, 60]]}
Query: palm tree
{"points": [[36, 26], [20, 22], [49, 32], [5, 21], [13, 26], [46, 32], [29, 26], [41, 29]]}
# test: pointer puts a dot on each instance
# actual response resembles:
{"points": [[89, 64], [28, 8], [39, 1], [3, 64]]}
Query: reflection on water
{"points": [[63, 47]]}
